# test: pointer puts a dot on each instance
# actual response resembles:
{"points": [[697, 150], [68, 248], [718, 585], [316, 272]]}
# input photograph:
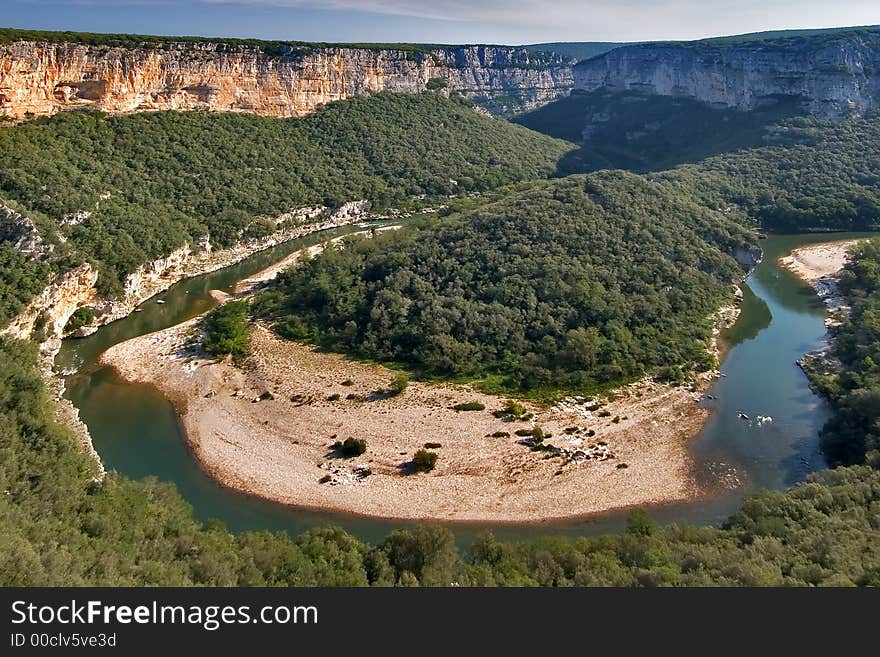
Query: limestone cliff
{"points": [[837, 75], [41, 78]]}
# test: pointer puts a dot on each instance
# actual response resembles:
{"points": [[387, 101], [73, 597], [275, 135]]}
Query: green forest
{"points": [[852, 436], [576, 283], [820, 176], [153, 181], [786, 171]]}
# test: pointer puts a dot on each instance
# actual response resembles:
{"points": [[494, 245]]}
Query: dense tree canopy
{"points": [[61, 527], [152, 181], [853, 434], [820, 176], [578, 282]]}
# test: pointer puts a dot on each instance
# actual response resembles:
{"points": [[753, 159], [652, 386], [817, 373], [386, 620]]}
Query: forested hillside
{"points": [[575, 283], [822, 176], [788, 172], [59, 527], [853, 434], [153, 181], [641, 132]]}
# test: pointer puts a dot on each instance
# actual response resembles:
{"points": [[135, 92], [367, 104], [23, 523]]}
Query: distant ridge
{"points": [[581, 50]]}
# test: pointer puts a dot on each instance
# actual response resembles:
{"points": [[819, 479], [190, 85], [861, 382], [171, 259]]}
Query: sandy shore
{"points": [[814, 261], [280, 448], [819, 265]]}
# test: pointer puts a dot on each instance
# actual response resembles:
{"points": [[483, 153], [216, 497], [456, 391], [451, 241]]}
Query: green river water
{"points": [[135, 430]]}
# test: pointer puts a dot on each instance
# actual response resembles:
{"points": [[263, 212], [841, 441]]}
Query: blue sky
{"points": [[438, 21]]}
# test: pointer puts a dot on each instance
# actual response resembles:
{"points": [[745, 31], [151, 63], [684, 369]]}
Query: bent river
{"points": [[135, 430]]}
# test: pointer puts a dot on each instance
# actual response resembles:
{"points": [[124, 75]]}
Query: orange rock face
{"points": [[38, 78]]}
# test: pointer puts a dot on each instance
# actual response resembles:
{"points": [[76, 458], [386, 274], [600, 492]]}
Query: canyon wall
{"points": [[837, 75], [42, 78]]}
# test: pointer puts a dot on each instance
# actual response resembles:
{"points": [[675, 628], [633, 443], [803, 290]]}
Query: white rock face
{"points": [[838, 76], [43, 78], [19, 231]]}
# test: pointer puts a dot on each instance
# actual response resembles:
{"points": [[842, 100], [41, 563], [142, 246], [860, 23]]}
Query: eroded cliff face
{"points": [[50, 310], [838, 77], [41, 78]]}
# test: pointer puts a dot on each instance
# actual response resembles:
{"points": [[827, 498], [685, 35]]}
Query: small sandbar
{"points": [[814, 261]]}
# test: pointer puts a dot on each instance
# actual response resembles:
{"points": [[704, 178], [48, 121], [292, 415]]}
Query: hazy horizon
{"points": [[441, 21]]}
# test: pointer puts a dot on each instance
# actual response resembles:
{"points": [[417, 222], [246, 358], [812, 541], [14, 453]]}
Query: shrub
{"points": [[511, 411], [470, 406], [334, 397], [227, 330], [616, 419], [347, 383], [424, 461], [398, 384], [353, 447], [435, 83], [500, 434], [80, 317], [325, 479], [433, 445]]}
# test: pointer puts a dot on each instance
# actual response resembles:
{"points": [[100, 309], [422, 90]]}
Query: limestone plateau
{"points": [[42, 78], [838, 75]]}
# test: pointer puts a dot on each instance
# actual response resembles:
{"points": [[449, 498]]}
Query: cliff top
{"points": [[785, 41], [278, 48]]}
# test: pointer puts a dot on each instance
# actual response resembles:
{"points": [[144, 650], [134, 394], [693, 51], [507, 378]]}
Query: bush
{"points": [[511, 411], [470, 406], [353, 447], [398, 384], [424, 461], [80, 317], [347, 383], [325, 479], [433, 445], [334, 397], [227, 330]]}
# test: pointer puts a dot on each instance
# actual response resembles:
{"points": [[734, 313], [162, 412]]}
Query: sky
{"points": [[438, 21]]}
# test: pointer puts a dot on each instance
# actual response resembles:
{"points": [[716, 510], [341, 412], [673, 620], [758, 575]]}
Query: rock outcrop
{"points": [[50, 310], [20, 232], [42, 78], [838, 75]]}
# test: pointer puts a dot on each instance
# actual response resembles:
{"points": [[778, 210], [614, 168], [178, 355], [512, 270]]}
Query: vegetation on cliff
{"points": [[61, 527], [580, 282], [123, 190], [21, 278]]}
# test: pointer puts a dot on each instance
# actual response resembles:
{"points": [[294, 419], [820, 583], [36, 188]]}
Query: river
{"points": [[135, 430]]}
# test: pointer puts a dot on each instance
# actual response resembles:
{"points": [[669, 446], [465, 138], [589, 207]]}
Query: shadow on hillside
{"points": [[642, 133]]}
